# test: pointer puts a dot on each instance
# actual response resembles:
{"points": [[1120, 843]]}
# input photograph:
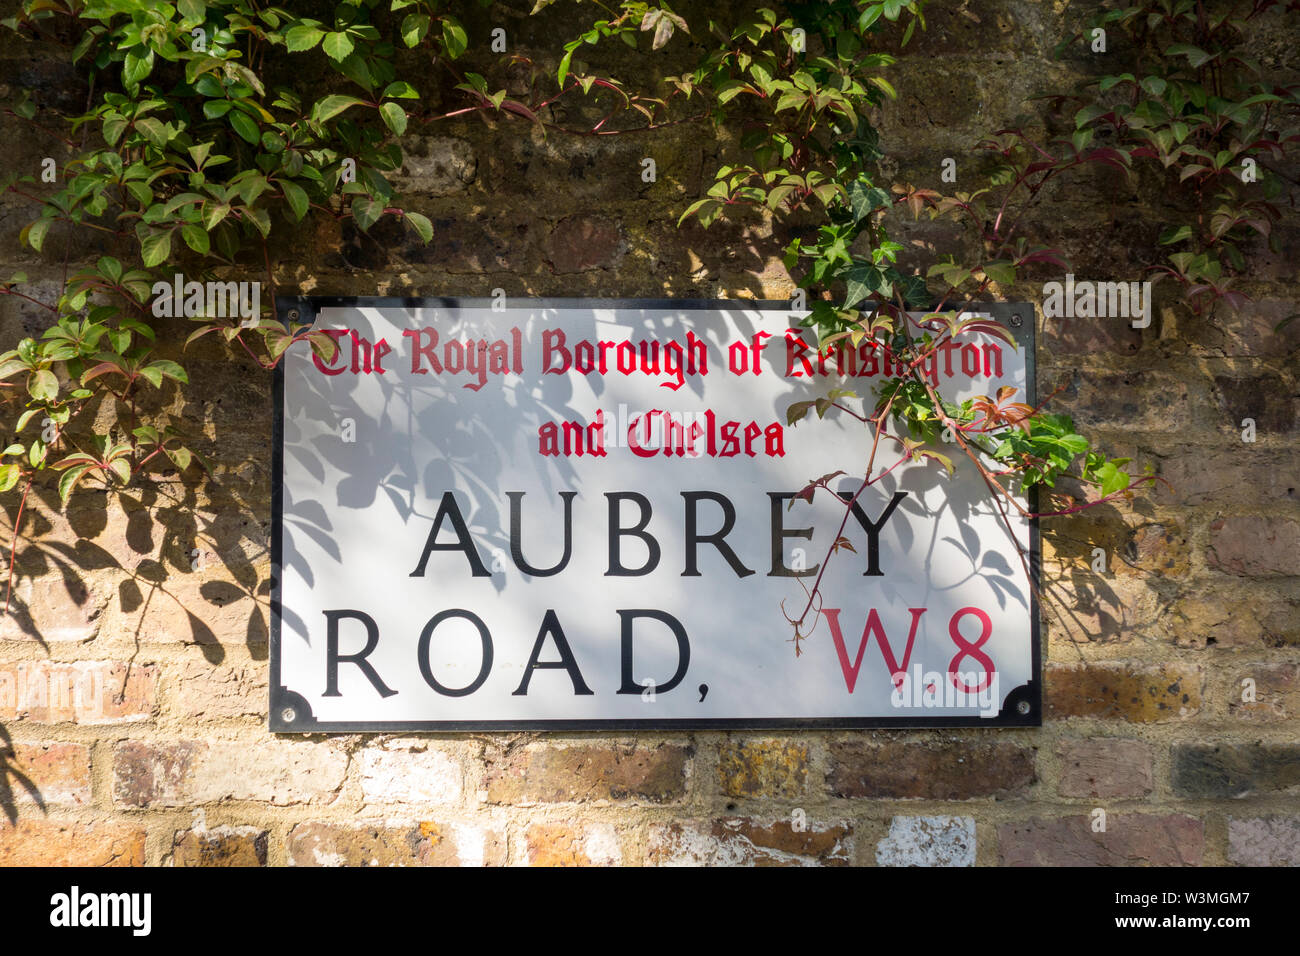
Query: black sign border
{"points": [[290, 713]]}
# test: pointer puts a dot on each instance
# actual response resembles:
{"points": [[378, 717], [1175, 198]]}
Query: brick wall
{"points": [[142, 740]]}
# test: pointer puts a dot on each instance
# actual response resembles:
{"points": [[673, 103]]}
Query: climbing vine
{"points": [[194, 149]]}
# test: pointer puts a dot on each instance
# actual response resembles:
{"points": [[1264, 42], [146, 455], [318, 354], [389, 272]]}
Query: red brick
{"points": [[1130, 839], [1104, 767], [551, 774], [1276, 692], [563, 844], [49, 774], [1255, 545], [743, 842], [901, 770], [48, 843], [579, 243], [1123, 690], [220, 846]]}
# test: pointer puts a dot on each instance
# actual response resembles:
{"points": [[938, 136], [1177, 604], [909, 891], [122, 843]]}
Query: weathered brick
{"points": [[84, 692], [409, 772], [220, 846], [1273, 692], [208, 692], [743, 842], [1232, 769], [47, 774], [1255, 618], [1065, 336], [435, 165], [956, 771], [1104, 767], [1264, 841], [1123, 690], [1249, 331], [562, 844], [1130, 839], [928, 841], [1255, 545], [763, 768], [53, 608], [1267, 399], [189, 772], [1156, 548], [580, 243], [37, 842], [382, 844], [1155, 401], [551, 774], [1247, 474]]}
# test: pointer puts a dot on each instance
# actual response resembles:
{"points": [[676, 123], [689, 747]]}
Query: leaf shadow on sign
{"points": [[352, 467], [473, 461]]}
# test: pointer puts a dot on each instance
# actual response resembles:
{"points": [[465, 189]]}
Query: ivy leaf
{"points": [[865, 199]]}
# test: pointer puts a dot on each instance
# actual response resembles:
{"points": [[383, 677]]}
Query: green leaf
{"points": [[414, 28], [69, 479], [865, 199], [400, 90], [337, 46], [296, 196], [171, 370], [333, 105], [155, 248], [302, 38], [34, 234], [193, 11], [453, 35], [366, 212], [246, 127], [394, 116], [1112, 479], [196, 237], [9, 475], [43, 385], [421, 224]]}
